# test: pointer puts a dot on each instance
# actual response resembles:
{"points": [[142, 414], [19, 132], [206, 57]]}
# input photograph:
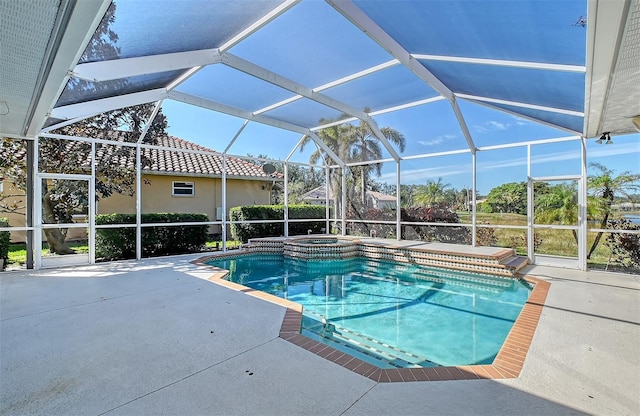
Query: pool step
{"points": [[457, 278], [379, 353], [515, 263]]}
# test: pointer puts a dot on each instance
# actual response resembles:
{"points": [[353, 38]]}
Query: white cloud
{"points": [[421, 175], [437, 140], [430, 142], [492, 125]]}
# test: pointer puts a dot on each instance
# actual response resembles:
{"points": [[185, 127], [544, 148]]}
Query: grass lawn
{"points": [[18, 251], [549, 242]]}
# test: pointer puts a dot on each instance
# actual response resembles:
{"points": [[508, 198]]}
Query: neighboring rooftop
{"points": [[319, 194]]}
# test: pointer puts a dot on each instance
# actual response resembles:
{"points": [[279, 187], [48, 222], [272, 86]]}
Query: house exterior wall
{"points": [[157, 197]]}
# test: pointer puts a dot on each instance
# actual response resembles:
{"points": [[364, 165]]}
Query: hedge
{"points": [[275, 213], [120, 243], [4, 242]]}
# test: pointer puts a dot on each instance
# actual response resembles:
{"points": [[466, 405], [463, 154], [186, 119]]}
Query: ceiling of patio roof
{"points": [[571, 65]]}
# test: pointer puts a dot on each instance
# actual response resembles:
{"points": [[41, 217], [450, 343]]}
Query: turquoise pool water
{"points": [[391, 314]]}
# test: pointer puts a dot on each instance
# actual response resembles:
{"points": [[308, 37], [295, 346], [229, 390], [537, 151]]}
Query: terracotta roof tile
{"points": [[166, 161]]}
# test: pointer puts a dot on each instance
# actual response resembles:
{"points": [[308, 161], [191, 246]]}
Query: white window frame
{"points": [[182, 185]]}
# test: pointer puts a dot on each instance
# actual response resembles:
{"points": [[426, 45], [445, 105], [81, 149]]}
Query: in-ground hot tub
{"points": [[317, 248]]}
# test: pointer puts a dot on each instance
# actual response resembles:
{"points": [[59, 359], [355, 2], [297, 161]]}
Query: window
{"points": [[183, 189]]}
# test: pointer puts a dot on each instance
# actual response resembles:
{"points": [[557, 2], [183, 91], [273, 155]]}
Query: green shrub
{"points": [[120, 242], [274, 214], [625, 248], [4, 242]]}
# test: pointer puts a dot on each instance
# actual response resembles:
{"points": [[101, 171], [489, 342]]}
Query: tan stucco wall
{"points": [[157, 197]]}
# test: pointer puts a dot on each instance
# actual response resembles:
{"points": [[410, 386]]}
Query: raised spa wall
{"points": [[503, 262]]}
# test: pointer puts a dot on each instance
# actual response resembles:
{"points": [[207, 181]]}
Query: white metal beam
{"points": [[280, 81], [130, 67], [247, 115], [501, 62], [283, 7], [520, 115], [290, 155], [382, 111], [521, 105], [407, 105], [103, 105], [463, 125], [375, 32], [235, 136], [327, 150], [332, 84], [76, 32], [233, 111], [357, 75], [153, 115]]}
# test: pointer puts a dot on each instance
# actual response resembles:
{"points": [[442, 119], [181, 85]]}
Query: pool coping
{"points": [[508, 362]]}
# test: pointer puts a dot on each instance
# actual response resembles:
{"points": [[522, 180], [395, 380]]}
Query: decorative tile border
{"points": [[507, 364], [503, 263]]}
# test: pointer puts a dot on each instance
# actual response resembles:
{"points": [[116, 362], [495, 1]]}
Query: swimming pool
{"points": [[392, 315]]}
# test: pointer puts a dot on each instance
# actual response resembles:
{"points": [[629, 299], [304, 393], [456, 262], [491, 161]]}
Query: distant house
{"points": [[180, 182], [375, 199]]}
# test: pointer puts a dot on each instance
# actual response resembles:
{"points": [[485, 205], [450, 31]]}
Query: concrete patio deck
{"points": [[154, 337]]}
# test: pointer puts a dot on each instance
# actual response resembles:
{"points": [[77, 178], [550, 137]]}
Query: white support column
{"points": [[224, 202], [286, 199], [92, 206], [327, 210], [530, 230], [138, 201], [398, 204], [474, 184], [344, 200], [583, 236], [37, 206]]}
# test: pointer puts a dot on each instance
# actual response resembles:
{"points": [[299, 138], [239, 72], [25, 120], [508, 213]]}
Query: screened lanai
{"points": [[521, 97]]}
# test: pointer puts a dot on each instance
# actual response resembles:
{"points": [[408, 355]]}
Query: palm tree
{"points": [[334, 138], [603, 189], [354, 143], [432, 193], [365, 145], [558, 205]]}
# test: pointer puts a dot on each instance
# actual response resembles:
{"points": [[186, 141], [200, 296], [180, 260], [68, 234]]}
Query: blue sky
{"points": [[487, 127], [298, 45]]}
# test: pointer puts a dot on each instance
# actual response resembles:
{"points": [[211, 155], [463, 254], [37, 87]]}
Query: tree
{"points": [[434, 192], [508, 197], [62, 198], [558, 205], [352, 143], [300, 180], [365, 145], [603, 189]]}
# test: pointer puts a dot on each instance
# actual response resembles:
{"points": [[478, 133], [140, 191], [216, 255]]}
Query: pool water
{"points": [[391, 314]]}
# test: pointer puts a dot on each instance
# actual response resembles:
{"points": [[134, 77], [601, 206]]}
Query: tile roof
{"points": [[380, 196], [166, 161], [162, 160], [319, 194]]}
